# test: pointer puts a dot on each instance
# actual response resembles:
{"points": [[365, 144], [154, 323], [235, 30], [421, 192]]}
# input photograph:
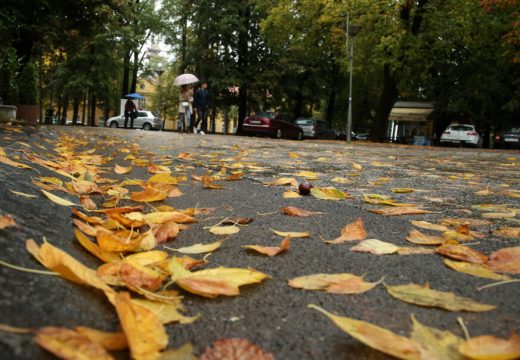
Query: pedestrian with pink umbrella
{"points": [[185, 100]]}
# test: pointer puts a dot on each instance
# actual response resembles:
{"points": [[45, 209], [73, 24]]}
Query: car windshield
{"points": [[514, 130], [304, 121], [269, 115], [461, 127]]}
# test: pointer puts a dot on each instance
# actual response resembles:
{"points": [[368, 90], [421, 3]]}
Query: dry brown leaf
{"points": [[417, 237], [87, 203], [376, 247], [69, 344], [294, 211], [94, 220], [376, 337], [62, 263], [83, 187], [270, 250], [136, 275], [491, 348], [424, 296], [149, 195], [109, 241], [94, 249], [214, 282], [7, 221], [508, 232], [479, 270], [400, 211], [158, 169], [122, 169], [405, 250], [354, 231], [144, 332], [282, 182], [224, 230], [462, 252], [110, 341], [506, 260], [7, 161], [164, 217], [125, 221], [429, 226], [464, 221], [165, 232], [235, 349], [237, 220], [333, 283]]}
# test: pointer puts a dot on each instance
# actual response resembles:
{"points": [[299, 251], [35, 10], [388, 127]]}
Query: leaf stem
{"points": [[497, 284], [463, 326], [19, 268]]}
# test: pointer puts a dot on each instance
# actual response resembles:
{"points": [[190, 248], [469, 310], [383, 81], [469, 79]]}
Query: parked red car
{"points": [[275, 124]]}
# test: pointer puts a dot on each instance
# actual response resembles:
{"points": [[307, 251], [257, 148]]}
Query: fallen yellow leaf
{"points": [[290, 194], [328, 193], [69, 344], [224, 230], [376, 247], [199, 248], [424, 296], [417, 237], [110, 341], [58, 200], [7, 221], [292, 234], [122, 169], [354, 231], [333, 283], [375, 337], [270, 250], [479, 270], [437, 343], [144, 332], [491, 348]]}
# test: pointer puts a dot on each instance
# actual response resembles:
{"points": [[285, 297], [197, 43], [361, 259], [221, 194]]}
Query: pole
{"points": [[349, 116]]}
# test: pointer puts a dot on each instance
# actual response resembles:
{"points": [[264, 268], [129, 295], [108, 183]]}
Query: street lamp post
{"points": [[159, 71], [352, 31]]}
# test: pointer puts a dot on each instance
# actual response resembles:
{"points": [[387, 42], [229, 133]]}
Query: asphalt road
{"points": [[271, 314]]}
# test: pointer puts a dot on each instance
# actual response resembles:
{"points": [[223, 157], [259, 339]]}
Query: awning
{"points": [[412, 111], [134, 96]]}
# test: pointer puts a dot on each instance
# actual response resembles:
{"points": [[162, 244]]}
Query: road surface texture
{"points": [[448, 182]]}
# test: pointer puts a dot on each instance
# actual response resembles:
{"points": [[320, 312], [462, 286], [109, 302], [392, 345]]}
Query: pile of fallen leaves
{"points": [[116, 222]]}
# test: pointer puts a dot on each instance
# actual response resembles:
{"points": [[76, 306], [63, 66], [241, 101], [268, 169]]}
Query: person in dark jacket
{"points": [[129, 112], [202, 102]]}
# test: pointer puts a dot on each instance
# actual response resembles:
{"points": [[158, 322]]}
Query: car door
{"points": [[141, 118]]}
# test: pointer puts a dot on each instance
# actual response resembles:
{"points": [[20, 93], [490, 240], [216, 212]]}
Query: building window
{"points": [[141, 86]]}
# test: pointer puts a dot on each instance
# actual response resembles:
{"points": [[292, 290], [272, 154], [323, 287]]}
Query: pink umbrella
{"points": [[185, 79]]}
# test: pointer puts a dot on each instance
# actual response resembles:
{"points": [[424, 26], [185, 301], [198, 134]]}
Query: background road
{"points": [[271, 314]]}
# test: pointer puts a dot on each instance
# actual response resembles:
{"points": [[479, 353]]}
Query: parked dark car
{"points": [[316, 129], [275, 124], [341, 135], [509, 139]]}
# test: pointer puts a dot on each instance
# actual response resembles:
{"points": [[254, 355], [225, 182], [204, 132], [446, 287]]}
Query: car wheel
{"points": [[147, 126], [300, 135], [279, 133], [114, 124]]}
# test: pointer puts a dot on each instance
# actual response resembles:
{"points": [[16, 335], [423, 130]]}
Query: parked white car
{"points": [[461, 134], [145, 120]]}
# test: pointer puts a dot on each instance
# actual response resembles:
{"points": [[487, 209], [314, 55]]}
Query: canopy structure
{"points": [[134, 96], [410, 122], [411, 111]]}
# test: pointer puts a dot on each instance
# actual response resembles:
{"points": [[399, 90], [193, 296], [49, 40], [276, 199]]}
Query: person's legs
{"points": [[132, 121], [204, 116], [188, 120], [180, 123], [126, 120]]}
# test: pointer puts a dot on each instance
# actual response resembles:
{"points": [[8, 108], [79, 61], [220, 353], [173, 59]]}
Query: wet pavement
{"points": [[448, 182]]}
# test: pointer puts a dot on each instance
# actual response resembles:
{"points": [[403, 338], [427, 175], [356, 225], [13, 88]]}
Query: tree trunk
{"points": [[298, 104], [92, 118], [386, 103], [330, 106], [84, 115], [226, 119], [243, 62], [184, 43], [126, 74], [75, 110], [63, 120], [133, 86]]}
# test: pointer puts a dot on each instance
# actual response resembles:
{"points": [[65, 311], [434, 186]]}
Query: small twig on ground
{"points": [[19, 268], [497, 284], [463, 326]]}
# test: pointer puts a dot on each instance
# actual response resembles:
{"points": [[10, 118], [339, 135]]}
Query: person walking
{"points": [[129, 113], [185, 108], [203, 102]]}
